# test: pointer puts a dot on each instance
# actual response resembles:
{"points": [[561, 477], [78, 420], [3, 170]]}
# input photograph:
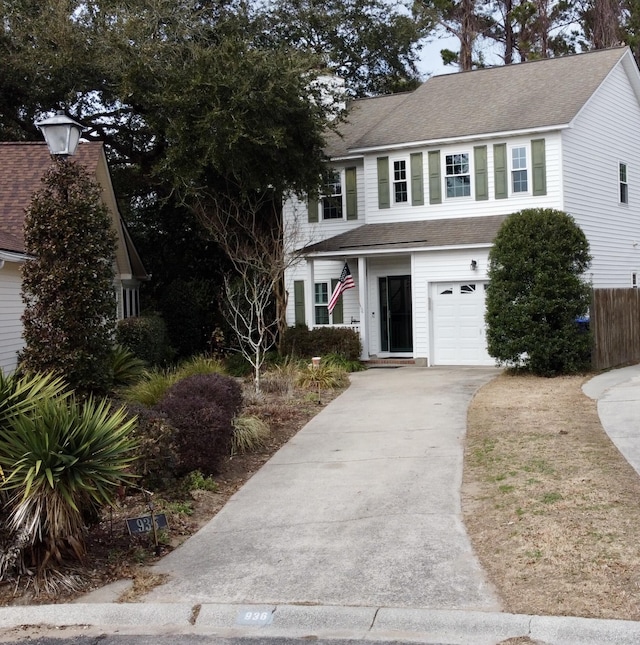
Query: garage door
{"points": [[458, 325]]}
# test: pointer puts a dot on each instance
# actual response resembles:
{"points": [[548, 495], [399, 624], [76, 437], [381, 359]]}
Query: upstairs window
{"points": [[332, 200], [519, 181], [400, 192], [624, 186], [458, 178]]}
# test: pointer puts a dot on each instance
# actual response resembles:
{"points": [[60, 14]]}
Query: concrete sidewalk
{"points": [[361, 508]]}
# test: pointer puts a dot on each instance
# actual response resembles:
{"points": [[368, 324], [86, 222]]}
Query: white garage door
{"points": [[458, 325]]}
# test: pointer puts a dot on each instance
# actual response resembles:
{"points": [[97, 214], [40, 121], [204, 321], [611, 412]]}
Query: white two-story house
{"points": [[423, 181]]}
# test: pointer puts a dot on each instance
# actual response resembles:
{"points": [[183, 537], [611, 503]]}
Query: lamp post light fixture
{"points": [[61, 133]]}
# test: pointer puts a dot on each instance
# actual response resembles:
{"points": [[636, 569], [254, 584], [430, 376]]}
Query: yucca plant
{"points": [[323, 376], [61, 464], [127, 368], [20, 394]]}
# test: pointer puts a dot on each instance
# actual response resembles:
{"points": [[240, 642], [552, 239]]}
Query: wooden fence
{"points": [[615, 325]]}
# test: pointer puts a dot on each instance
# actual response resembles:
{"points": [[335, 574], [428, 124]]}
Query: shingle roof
{"points": [[411, 235], [22, 166], [536, 94]]}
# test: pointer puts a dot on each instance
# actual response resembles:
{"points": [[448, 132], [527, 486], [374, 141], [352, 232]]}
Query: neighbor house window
{"points": [[624, 186], [321, 303], [332, 200], [400, 192], [130, 302], [519, 182], [458, 178]]}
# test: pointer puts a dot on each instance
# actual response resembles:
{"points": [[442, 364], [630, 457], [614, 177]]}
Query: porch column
{"points": [[309, 295], [364, 307]]}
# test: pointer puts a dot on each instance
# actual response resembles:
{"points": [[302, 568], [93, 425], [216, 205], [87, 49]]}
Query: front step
{"points": [[389, 362]]}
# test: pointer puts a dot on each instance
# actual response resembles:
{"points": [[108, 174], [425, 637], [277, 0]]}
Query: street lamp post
{"points": [[61, 133]]}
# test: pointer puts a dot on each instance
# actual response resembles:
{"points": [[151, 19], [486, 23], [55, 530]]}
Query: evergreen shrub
{"points": [[305, 343], [146, 338]]}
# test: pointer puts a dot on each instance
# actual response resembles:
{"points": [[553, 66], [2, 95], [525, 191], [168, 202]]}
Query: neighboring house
{"points": [[22, 166], [424, 180]]}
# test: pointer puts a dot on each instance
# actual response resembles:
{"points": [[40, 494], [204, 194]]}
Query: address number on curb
{"points": [[254, 617]]}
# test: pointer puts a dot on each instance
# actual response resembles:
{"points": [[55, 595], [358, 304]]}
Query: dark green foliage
{"points": [[146, 338], [67, 288], [304, 343], [157, 459], [237, 365], [537, 291], [201, 408], [126, 368], [187, 310]]}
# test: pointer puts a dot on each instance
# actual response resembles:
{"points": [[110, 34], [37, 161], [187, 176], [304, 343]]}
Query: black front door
{"points": [[395, 319]]}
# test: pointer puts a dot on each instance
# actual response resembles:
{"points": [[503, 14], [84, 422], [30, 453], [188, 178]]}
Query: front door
{"points": [[396, 323]]}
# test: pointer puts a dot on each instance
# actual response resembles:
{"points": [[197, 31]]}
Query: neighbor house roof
{"points": [[526, 96], [458, 231], [22, 166]]}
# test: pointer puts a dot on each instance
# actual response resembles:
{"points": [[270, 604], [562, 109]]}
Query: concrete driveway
{"points": [[360, 508]]}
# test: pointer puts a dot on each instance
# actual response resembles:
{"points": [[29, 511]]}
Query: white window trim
{"points": [[321, 218], [407, 180], [621, 183], [510, 149], [471, 172], [317, 304]]}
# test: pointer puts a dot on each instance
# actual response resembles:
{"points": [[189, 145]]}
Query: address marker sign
{"points": [[145, 524]]}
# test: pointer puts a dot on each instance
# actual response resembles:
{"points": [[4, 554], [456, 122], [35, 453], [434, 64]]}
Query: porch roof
{"points": [[458, 231]]}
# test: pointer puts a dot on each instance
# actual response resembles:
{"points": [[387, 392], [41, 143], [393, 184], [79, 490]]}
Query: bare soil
{"points": [[551, 506], [113, 554]]}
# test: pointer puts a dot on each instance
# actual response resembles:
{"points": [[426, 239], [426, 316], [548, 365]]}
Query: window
{"points": [[400, 192], [332, 200], [321, 303], [624, 186], [130, 302], [457, 175], [519, 182], [467, 288]]}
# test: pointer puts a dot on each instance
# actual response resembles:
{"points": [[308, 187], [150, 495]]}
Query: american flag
{"points": [[345, 282]]}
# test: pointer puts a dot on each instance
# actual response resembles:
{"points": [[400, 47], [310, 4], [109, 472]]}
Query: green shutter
{"points": [[539, 165], [417, 181], [312, 207], [481, 177], [500, 173], [337, 315], [298, 299], [383, 183], [435, 184], [352, 193]]}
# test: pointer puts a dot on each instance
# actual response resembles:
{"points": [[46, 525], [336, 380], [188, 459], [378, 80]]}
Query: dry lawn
{"points": [[551, 506]]}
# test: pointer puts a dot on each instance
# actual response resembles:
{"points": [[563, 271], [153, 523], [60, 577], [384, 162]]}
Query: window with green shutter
{"points": [[500, 171], [312, 208], [337, 316], [298, 300], [539, 167], [417, 180], [435, 181], [383, 183], [351, 186], [480, 170]]}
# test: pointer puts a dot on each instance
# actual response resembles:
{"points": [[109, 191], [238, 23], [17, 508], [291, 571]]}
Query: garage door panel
{"points": [[458, 324]]}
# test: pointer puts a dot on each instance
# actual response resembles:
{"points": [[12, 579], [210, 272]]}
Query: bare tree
{"points": [[249, 227]]}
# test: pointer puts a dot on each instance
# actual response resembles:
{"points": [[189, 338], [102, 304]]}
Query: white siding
{"points": [[465, 206], [11, 309], [605, 133]]}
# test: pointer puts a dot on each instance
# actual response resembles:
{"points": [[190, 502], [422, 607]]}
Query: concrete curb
{"points": [[328, 622]]}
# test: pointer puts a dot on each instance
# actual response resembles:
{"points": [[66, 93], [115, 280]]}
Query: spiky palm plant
{"points": [[126, 366], [60, 464], [20, 395]]}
